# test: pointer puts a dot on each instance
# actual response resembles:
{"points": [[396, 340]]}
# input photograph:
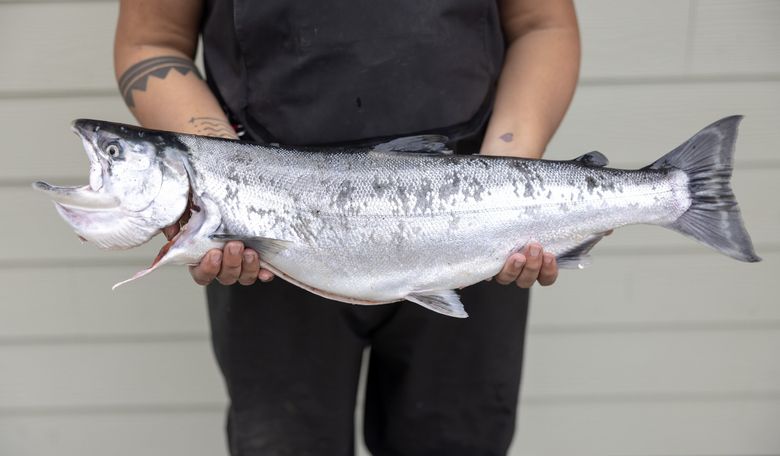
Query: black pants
{"points": [[436, 385]]}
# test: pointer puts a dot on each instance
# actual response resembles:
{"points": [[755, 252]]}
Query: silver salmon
{"points": [[406, 219]]}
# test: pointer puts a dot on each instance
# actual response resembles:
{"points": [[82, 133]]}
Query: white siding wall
{"points": [[662, 347]]}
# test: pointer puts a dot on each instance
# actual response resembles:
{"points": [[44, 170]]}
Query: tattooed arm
{"points": [[153, 51], [536, 85]]}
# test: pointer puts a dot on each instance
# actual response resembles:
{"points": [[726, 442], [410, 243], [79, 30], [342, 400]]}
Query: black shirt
{"points": [[319, 72]]}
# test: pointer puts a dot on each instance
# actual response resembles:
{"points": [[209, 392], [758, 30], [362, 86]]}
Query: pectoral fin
{"points": [[263, 245], [445, 302]]}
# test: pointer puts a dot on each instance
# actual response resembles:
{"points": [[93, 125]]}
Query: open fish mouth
{"points": [[87, 132], [85, 197], [80, 206], [81, 197]]}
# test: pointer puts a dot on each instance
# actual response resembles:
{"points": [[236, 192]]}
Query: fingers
{"points": [[512, 268], [250, 267], [549, 272], [265, 275], [232, 258], [529, 266], [208, 268], [532, 266], [232, 264]]}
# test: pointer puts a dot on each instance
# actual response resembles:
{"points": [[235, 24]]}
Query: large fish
{"points": [[401, 220]]}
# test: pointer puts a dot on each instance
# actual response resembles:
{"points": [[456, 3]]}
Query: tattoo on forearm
{"points": [[212, 126], [137, 76]]}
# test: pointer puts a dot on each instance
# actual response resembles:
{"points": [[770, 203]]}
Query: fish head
{"points": [[138, 184]]}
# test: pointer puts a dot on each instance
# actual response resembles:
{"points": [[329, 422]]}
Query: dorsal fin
{"points": [[429, 144], [595, 159]]}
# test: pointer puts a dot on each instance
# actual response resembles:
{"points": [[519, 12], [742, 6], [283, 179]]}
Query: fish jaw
{"points": [[83, 197], [97, 217], [107, 229], [191, 243]]}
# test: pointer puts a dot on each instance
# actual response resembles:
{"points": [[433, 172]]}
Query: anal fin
{"points": [[578, 257], [445, 302]]}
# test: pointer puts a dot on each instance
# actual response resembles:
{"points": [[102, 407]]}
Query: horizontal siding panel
{"points": [[632, 38], [620, 293], [146, 433], [632, 124], [652, 363], [636, 124], [78, 303], [109, 374], [66, 46], [563, 367], [671, 291], [658, 428], [39, 142], [736, 37], [39, 234]]}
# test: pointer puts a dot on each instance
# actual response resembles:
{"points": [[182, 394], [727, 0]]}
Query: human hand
{"points": [[234, 263], [528, 266]]}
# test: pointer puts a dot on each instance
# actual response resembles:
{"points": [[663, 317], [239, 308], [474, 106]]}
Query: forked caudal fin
{"points": [[713, 216]]}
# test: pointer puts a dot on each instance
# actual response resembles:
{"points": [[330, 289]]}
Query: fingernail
{"points": [[249, 257], [265, 276], [216, 259], [548, 259], [535, 251], [519, 262], [234, 249]]}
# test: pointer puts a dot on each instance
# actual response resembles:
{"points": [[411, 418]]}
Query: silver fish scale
{"points": [[377, 226]]}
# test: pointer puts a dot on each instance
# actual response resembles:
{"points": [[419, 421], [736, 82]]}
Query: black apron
{"points": [[319, 72]]}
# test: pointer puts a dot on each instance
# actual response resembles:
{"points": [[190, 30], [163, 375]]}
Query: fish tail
{"points": [[713, 217]]}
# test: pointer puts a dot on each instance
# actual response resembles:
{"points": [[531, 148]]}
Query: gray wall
{"points": [[662, 347]]}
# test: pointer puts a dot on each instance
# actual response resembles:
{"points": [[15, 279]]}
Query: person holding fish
{"points": [[494, 77]]}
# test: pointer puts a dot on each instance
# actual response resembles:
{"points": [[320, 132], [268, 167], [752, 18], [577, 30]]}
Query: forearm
{"points": [[158, 79], [535, 88], [173, 101]]}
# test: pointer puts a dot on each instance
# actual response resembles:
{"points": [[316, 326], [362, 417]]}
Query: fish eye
{"points": [[113, 150]]}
